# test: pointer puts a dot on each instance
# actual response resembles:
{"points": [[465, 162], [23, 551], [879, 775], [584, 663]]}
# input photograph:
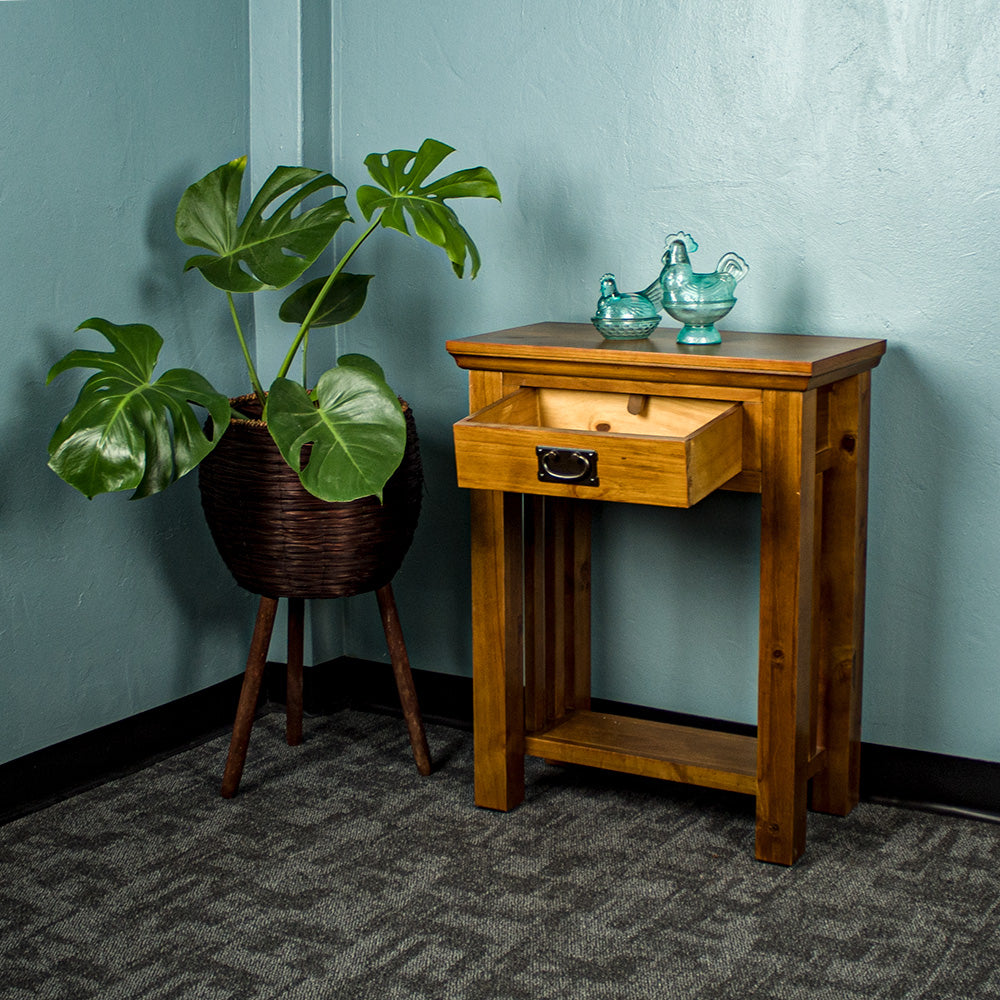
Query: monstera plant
{"points": [[132, 430]]}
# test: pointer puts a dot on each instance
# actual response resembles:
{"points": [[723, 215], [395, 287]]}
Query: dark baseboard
{"points": [[890, 775], [56, 772], [915, 779]]}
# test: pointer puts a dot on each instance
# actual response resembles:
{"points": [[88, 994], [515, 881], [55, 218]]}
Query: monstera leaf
{"points": [[401, 174], [258, 252], [354, 423], [125, 431], [344, 299]]}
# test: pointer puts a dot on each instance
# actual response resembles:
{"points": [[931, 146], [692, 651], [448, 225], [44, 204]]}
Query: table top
{"points": [[789, 361]]}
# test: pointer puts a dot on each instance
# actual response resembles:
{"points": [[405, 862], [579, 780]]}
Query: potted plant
{"points": [[308, 492], [340, 442]]}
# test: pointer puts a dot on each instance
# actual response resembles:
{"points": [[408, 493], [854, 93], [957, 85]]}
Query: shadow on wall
{"points": [[197, 328], [34, 501], [914, 466], [97, 594], [200, 331], [539, 220], [218, 614], [167, 288], [665, 579], [107, 569], [798, 303]]}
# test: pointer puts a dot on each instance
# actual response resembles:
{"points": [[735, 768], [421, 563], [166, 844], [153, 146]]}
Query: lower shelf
{"points": [[653, 749]]}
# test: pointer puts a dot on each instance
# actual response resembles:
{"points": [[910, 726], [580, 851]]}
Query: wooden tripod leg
{"points": [[404, 679], [293, 687], [248, 696]]}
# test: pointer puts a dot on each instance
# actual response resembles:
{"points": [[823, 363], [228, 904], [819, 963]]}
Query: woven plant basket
{"points": [[280, 541]]}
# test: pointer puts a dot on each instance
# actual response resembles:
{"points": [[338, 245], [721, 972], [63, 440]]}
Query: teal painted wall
{"points": [[845, 150], [848, 152], [108, 109]]}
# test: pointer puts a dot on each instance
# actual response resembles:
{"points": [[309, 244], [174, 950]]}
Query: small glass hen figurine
{"points": [[624, 316], [696, 300]]}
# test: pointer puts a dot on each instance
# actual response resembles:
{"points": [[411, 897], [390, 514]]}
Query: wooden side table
{"points": [[559, 416]]}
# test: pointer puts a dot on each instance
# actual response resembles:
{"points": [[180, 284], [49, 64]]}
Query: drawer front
{"points": [[516, 446]]}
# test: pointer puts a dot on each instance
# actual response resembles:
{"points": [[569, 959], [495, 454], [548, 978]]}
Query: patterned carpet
{"points": [[339, 873]]}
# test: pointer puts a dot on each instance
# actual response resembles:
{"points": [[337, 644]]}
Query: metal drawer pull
{"points": [[567, 465]]}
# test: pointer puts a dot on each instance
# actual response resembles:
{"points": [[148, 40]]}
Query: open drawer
{"points": [[662, 450]]}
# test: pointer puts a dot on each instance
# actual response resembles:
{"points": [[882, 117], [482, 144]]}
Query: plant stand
{"points": [[293, 704]]}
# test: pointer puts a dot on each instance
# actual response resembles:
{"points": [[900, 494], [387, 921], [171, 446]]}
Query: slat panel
{"points": [[535, 633], [581, 605]]}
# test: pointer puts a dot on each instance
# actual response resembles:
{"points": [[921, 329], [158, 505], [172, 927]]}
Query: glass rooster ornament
{"points": [[698, 300]]}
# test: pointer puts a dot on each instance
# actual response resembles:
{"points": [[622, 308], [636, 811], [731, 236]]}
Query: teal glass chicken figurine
{"points": [[698, 300], [624, 316]]}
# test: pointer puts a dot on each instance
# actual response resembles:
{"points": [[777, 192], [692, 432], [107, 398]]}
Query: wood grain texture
{"points": [[252, 676], [497, 540], [559, 609], [653, 749], [581, 632], [786, 596], [569, 619], [779, 361], [842, 607], [673, 454], [538, 639], [747, 480], [485, 387], [802, 442], [293, 671], [556, 609], [497, 655], [404, 677]]}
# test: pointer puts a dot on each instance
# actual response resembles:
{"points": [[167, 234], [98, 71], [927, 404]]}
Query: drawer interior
{"points": [[632, 448], [603, 412]]}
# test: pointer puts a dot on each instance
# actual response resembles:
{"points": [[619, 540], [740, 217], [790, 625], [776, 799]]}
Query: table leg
{"points": [[842, 611], [497, 655], [787, 557]]}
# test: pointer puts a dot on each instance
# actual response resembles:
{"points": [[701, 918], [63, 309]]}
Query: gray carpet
{"points": [[339, 873]]}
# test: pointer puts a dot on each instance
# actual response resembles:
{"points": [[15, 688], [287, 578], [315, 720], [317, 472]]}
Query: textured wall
{"points": [[108, 109], [848, 151]]}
